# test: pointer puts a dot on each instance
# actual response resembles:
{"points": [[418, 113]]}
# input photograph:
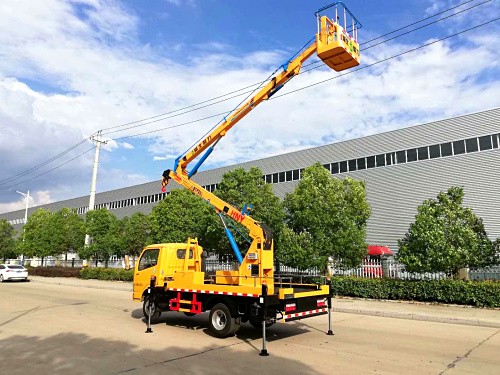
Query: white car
{"points": [[13, 272]]}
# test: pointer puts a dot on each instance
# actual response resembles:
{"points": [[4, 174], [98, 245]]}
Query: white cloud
{"points": [[36, 198], [127, 146], [84, 70]]}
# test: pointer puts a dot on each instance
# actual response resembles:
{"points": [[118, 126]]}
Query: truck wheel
{"points": [[155, 311], [220, 321]]}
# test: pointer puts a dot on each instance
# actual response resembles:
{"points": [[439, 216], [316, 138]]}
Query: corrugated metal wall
{"points": [[394, 192]]}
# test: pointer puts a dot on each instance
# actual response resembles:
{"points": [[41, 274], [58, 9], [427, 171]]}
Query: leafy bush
{"points": [[117, 274], [474, 293], [54, 271]]}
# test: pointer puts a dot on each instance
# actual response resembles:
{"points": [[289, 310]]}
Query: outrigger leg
{"points": [[263, 302], [330, 332], [151, 299]]}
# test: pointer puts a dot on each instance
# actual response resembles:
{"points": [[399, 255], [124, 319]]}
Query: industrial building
{"points": [[401, 169]]}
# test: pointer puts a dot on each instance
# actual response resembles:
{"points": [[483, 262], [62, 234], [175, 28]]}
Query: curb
{"points": [[82, 283], [420, 317]]}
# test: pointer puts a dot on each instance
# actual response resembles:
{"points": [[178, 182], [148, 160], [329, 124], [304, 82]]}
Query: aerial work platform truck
{"points": [[171, 277]]}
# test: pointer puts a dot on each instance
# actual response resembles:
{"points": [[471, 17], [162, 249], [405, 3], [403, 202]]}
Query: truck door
{"points": [[146, 267]]}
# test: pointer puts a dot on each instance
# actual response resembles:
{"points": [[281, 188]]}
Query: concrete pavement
{"points": [[454, 314]]}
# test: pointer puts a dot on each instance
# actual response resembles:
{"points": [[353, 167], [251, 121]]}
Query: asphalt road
{"points": [[84, 329]]}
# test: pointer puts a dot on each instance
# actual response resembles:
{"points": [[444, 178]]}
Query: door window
{"points": [[149, 259]]}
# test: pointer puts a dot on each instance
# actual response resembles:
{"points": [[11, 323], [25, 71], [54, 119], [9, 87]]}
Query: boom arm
{"points": [[339, 51]]}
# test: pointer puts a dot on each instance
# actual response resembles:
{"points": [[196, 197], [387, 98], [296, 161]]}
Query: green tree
{"points": [[136, 234], [68, 231], [446, 237], [7, 241], [38, 235], [106, 231], [327, 218], [179, 216], [239, 188]]}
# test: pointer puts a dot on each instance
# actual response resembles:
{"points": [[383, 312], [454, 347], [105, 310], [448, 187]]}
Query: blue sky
{"points": [[71, 68]]}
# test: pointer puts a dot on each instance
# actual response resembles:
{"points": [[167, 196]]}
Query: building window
{"points": [[343, 166], [459, 147], [423, 153], [335, 168], [275, 178], [269, 178], [401, 157], [495, 140], [352, 165], [296, 175], [390, 158], [370, 162], [412, 154], [288, 176], [361, 163], [434, 151], [328, 167], [471, 145], [380, 160], [446, 149], [281, 177], [485, 143]]}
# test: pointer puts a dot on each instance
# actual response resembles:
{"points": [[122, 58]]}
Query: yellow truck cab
{"points": [[165, 260]]}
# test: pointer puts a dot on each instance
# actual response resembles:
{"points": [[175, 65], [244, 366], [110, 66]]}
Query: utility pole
{"points": [[98, 143], [27, 196]]}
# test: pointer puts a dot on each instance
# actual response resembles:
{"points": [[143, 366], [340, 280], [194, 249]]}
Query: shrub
{"points": [[54, 271], [474, 293], [117, 274]]}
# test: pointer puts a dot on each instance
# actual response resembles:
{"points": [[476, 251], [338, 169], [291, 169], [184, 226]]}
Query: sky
{"points": [[69, 69]]}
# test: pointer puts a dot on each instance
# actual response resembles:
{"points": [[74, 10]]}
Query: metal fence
{"points": [[369, 268]]}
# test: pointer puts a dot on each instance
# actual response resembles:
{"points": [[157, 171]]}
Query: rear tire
{"points": [[221, 323], [155, 310], [1, 279]]}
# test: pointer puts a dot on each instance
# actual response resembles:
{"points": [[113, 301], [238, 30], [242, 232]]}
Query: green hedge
{"points": [[474, 293], [118, 274], [54, 271]]}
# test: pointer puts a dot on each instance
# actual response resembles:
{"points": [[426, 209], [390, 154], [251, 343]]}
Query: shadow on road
{"points": [[247, 333], [69, 353]]}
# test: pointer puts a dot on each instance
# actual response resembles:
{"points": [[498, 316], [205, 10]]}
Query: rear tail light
{"points": [[290, 307], [321, 302]]}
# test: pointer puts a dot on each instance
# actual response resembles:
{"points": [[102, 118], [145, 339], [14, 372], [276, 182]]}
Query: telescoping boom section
{"points": [[336, 45]]}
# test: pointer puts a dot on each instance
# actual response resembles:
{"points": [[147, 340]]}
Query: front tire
{"points": [[155, 310], [221, 323], [1, 279]]}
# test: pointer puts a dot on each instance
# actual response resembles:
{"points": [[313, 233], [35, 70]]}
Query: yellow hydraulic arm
{"points": [[336, 45]]}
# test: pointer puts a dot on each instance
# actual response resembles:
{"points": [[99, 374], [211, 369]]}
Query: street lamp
{"points": [[27, 196]]}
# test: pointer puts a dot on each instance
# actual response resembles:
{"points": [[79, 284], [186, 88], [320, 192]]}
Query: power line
{"points": [[50, 170], [427, 24], [323, 81], [140, 123], [27, 171], [240, 92], [392, 57], [419, 21]]}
